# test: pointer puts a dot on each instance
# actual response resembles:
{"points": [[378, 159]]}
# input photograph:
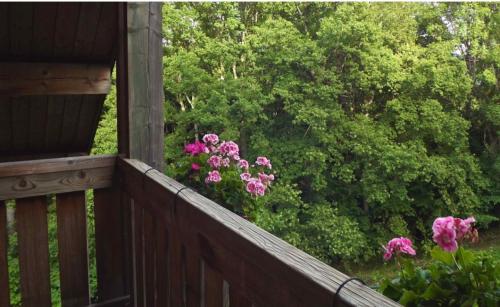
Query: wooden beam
{"points": [[140, 85], [40, 177], [20, 79]]}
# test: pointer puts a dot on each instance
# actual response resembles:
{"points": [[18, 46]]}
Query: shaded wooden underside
{"points": [[43, 121]]}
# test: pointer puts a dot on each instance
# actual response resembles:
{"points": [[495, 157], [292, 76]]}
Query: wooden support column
{"points": [[140, 84], [140, 121]]}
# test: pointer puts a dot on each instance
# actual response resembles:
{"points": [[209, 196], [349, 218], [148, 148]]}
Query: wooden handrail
{"points": [[264, 268], [40, 177]]}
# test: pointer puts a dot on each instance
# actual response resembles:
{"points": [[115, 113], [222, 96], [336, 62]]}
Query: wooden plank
{"points": [[90, 114], [38, 122], [103, 43], [65, 31], [149, 259], [55, 110], [86, 29], [161, 249], [43, 166], [212, 287], [248, 257], [139, 278], [21, 18], [44, 23], [41, 177], [33, 247], [175, 265], [236, 299], [4, 29], [72, 106], [20, 123], [5, 123], [145, 102], [122, 110], [72, 243], [23, 78], [4, 266], [110, 245]]}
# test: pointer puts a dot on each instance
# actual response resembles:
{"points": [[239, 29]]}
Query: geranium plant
{"points": [[215, 168], [455, 276]]}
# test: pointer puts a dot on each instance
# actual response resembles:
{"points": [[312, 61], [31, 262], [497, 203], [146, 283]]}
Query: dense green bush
{"points": [[373, 114]]}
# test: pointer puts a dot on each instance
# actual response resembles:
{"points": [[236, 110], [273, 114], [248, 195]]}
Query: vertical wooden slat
{"points": [[213, 287], [236, 299], [138, 255], [162, 264], [149, 259], [110, 245], [72, 243], [4, 271], [32, 232], [175, 266]]}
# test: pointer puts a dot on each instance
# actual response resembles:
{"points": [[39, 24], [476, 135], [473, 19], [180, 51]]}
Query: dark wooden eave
{"points": [[55, 70]]}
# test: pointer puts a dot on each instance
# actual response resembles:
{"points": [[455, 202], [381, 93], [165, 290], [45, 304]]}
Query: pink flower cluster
{"points": [[398, 246], [196, 148], [224, 155], [263, 161], [449, 230], [213, 176]]}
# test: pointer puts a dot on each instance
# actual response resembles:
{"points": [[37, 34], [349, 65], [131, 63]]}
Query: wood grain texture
{"points": [[33, 246], [212, 286], [138, 255], [266, 270], [150, 259], [44, 23], [23, 78], [145, 101], [65, 30], [4, 266], [110, 245], [72, 242], [41, 177]]}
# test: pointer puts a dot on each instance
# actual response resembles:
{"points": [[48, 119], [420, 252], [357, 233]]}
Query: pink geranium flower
{"points": [[245, 176], [255, 187], [214, 161], [263, 161], [448, 230], [195, 166], [445, 234], [211, 139], [398, 246], [213, 177], [196, 148], [243, 164], [229, 148]]}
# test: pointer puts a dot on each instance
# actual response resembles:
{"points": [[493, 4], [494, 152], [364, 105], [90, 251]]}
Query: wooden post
{"points": [[140, 85]]}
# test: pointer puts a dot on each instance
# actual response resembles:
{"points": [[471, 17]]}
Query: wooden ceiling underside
{"points": [[45, 120]]}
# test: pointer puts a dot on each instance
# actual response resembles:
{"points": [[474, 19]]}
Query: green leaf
{"points": [[439, 254], [408, 297], [434, 292]]}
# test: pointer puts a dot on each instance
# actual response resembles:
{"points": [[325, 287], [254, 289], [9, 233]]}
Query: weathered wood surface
{"points": [[4, 267], [33, 245], [110, 244], [72, 242], [266, 270], [141, 88], [41, 177], [18, 79]]}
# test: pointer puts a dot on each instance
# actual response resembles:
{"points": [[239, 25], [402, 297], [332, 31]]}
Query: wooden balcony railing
{"points": [[158, 243]]}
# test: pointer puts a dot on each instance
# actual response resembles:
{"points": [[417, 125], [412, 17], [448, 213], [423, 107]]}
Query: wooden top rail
{"points": [[266, 269], [40, 177]]}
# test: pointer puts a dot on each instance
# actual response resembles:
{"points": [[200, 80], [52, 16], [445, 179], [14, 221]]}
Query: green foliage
{"points": [[450, 279], [373, 114]]}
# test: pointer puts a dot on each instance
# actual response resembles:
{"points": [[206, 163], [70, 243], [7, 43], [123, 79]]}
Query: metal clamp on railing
{"points": [[345, 282]]}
